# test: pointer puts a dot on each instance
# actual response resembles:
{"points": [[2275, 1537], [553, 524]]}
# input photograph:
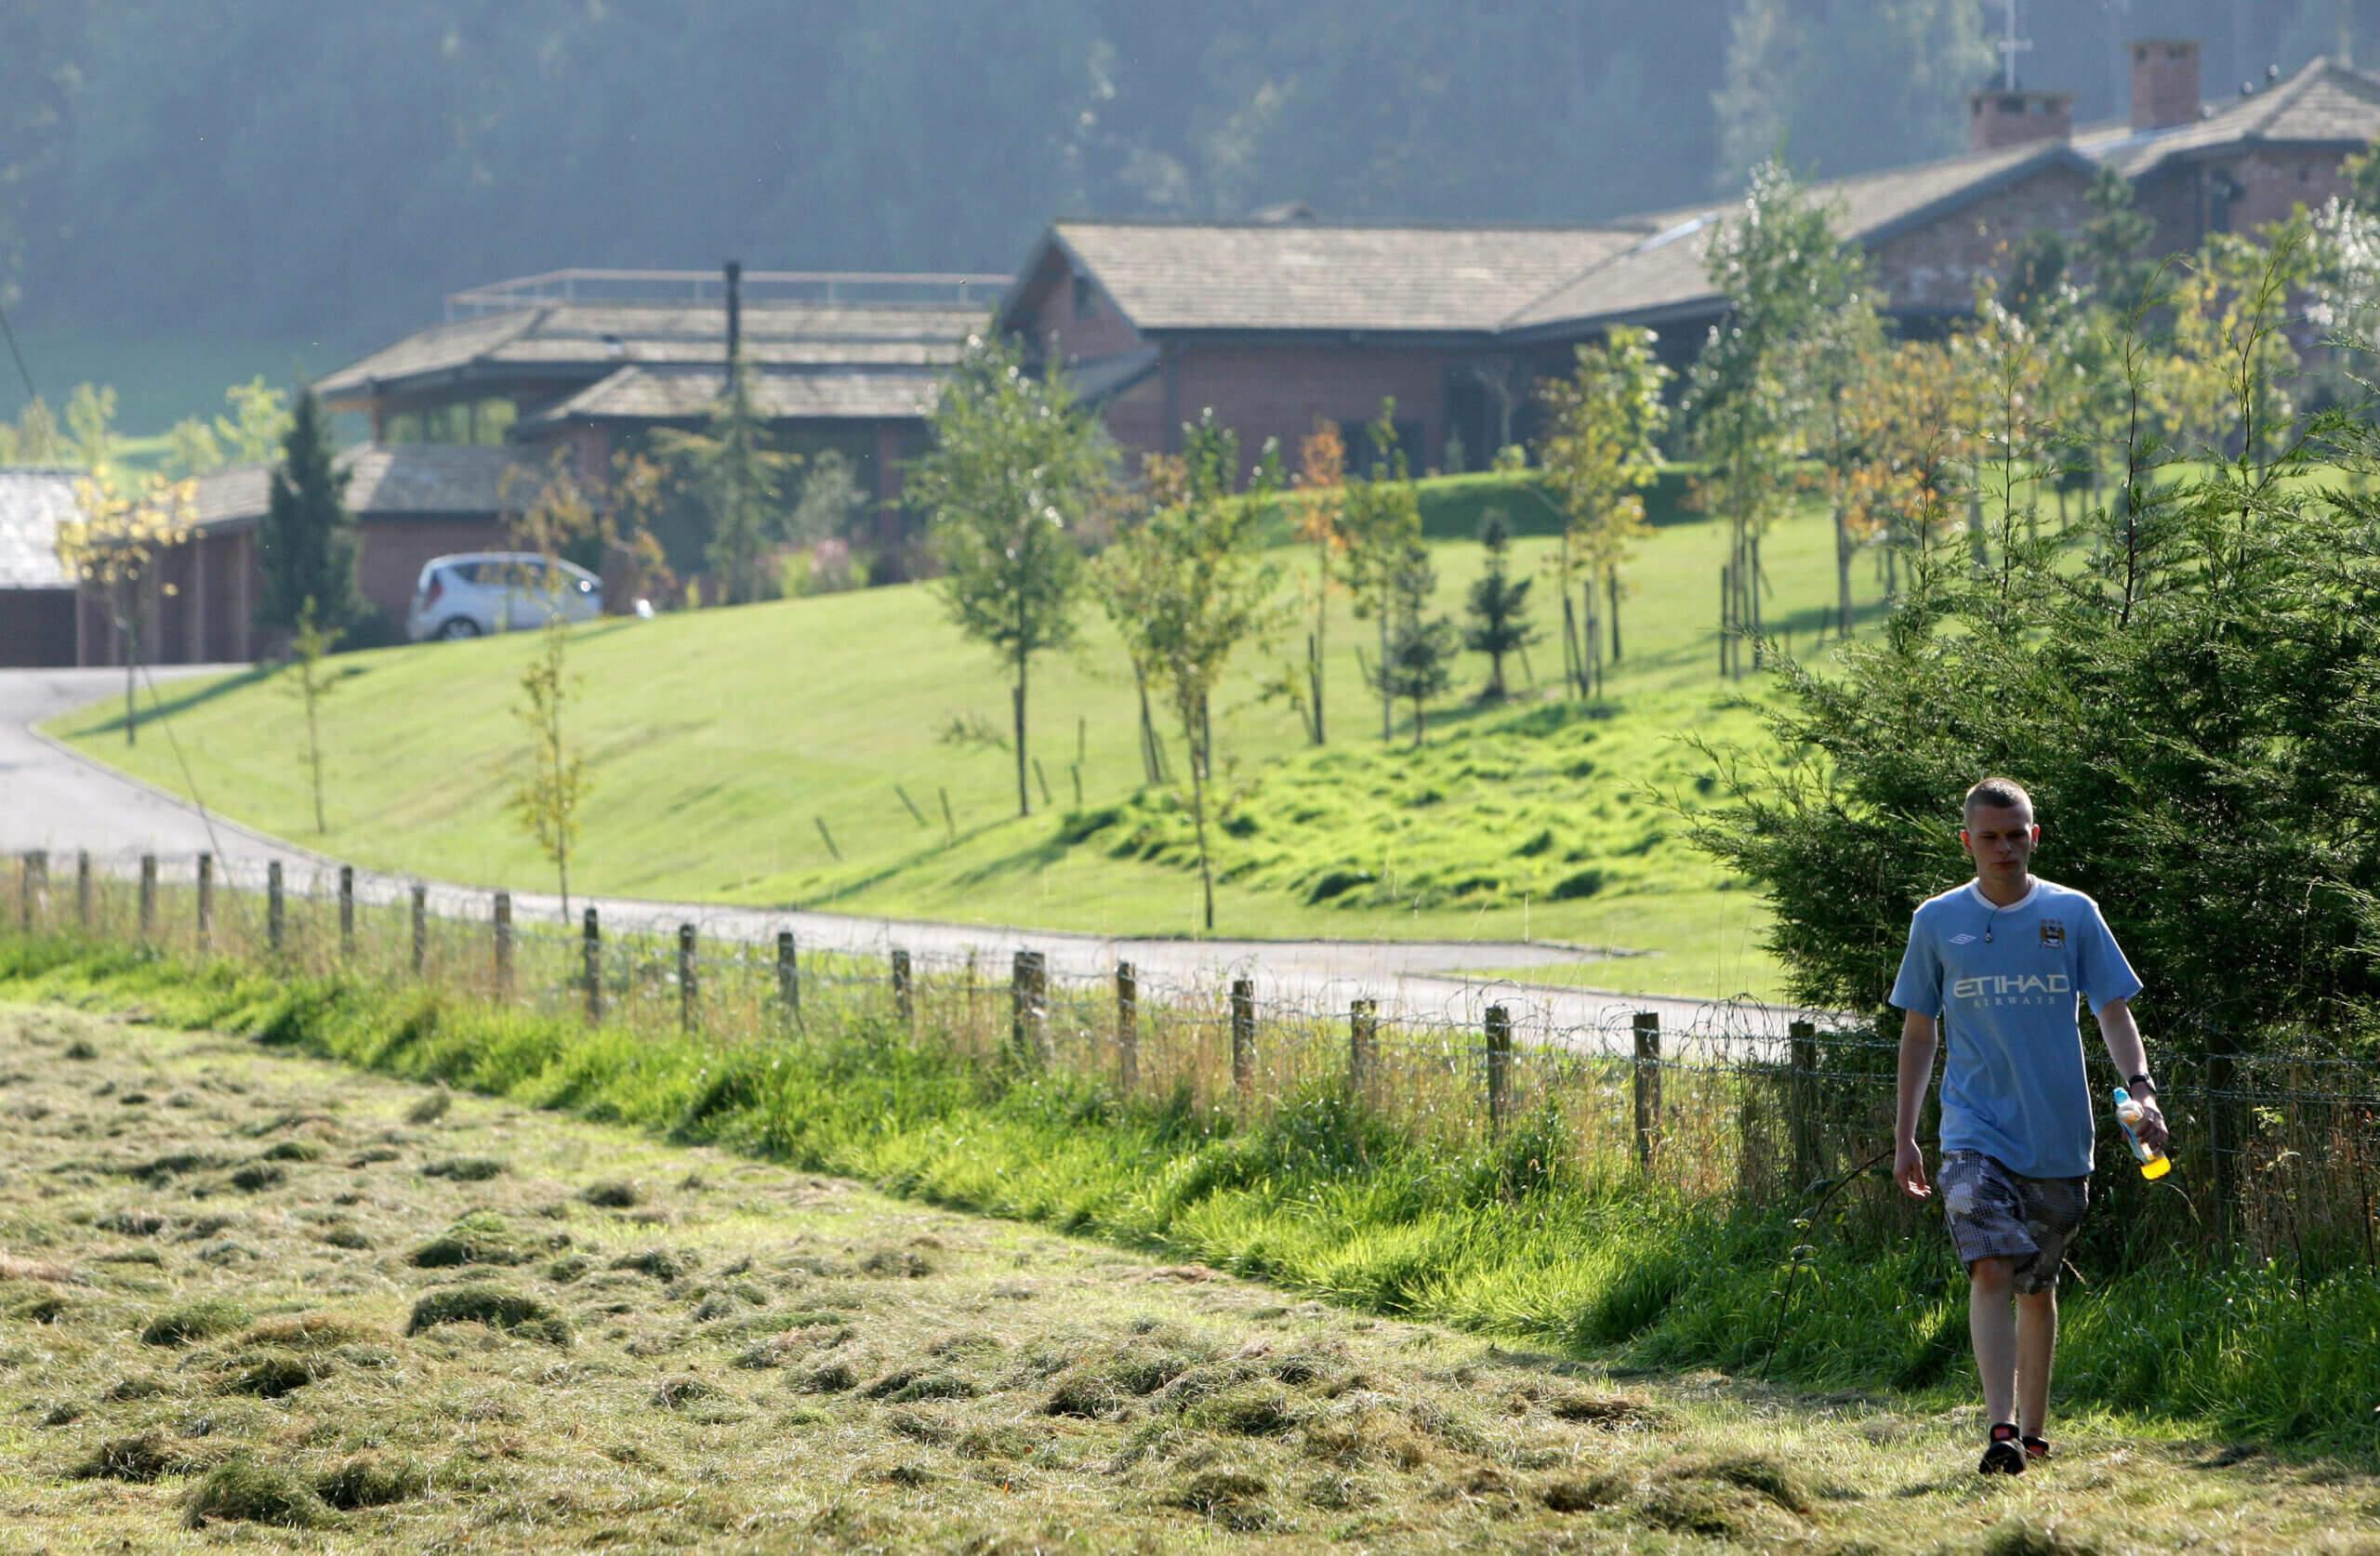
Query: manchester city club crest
{"points": [[2053, 933]]}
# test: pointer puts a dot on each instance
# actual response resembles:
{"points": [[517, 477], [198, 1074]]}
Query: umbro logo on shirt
{"points": [[1963, 940]]}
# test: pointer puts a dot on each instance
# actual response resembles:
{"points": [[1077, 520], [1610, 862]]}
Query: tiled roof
{"points": [[385, 480], [1668, 270], [594, 338], [669, 393], [33, 502], [1295, 276], [2323, 102]]}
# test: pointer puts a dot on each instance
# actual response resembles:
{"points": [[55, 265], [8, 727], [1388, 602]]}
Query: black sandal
{"points": [[2005, 1453], [2036, 1448]]}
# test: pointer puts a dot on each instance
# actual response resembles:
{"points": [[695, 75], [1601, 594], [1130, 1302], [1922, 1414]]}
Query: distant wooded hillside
{"points": [[283, 170]]}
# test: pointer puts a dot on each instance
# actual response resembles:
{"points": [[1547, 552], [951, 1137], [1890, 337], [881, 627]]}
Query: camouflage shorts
{"points": [[1995, 1214]]}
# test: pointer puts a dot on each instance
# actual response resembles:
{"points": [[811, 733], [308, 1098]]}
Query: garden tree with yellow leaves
{"points": [[1780, 268], [2013, 447], [2226, 376], [1016, 467], [1187, 586], [1600, 450], [114, 546], [1380, 523], [1322, 493], [1845, 344], [1909, 424]]}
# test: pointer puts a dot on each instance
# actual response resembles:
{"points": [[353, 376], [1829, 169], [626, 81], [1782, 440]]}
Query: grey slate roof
{"points": [[1274, 276], [678, 393], [33, 502], [592, 340], [385, 480], [2323, 103], [1296, 276]]}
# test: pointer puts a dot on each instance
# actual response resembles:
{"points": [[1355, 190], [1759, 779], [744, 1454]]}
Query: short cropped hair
{"points": [[1999, 794]]}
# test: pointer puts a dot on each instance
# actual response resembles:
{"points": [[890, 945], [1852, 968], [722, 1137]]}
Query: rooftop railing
{"points": [[760, 289]]}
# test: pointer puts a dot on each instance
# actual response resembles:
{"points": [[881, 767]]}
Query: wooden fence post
{"points": [[1500, 1070], [590, 939], [30, 867], [1801, 1100], [1028, 989], [420, 928], [503, 930], [83, 887], [274, 920], [1243, 1037], [148, 898], [1648, 1084], [205, 901], [905, 1008], [688, 993], [1363, 1023], [1128, 1028], [788, 978], [347, 913]]}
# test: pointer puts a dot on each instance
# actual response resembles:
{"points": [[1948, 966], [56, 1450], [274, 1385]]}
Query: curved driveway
{"points": [[54, 799]]}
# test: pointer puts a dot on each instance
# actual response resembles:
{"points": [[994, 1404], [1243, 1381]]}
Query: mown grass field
{"points": [[718, 743], [252, 1298]]}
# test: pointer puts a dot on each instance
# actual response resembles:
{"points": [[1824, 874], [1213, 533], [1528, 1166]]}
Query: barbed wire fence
{"points": [[2278, 1146]]}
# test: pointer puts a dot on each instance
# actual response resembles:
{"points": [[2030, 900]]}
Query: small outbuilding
{"points": [[37, 592]]}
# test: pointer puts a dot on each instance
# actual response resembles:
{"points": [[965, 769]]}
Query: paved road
{"points": [[52, 798]]}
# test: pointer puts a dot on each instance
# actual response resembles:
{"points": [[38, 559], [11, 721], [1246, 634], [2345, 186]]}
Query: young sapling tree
{"points": [[1498, 605]]}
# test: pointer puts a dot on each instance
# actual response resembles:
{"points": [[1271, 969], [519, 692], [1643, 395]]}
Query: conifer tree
{"points": [[1417, 661], [306, 547], [1498, 605]]}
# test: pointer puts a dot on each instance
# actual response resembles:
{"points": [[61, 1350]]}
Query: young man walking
{"points": [[1998, 963]]}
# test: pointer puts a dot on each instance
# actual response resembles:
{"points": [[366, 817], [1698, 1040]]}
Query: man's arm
{"points": [[1919, 1037], [2121, 1035]]}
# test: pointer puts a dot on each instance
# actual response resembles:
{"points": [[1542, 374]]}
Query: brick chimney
{"points": [[1996, 118], [2164, 83]]}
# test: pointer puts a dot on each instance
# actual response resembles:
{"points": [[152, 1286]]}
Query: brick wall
{"points": [[395, 548], [1050, 323], [1934, 268], [2266, 184], [1277, 392]]}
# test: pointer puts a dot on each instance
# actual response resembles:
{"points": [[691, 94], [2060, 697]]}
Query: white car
{"points": [[482, 592]]}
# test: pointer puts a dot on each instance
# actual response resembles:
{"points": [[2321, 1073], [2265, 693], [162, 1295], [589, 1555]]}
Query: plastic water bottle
{"points": [[2153, 1162]]}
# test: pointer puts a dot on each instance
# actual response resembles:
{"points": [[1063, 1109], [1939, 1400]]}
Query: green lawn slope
{"points": [[719, 742]]}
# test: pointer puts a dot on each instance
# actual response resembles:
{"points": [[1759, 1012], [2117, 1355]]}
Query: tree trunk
{"points": [[1752, 583], [1314, 644], [1611, 588], [131, 659], [1842, 572], [1024, 799], [1420, 727], [1571, 673], [1198, 815], [314, 751], [1387, 698], [1595, 640]]}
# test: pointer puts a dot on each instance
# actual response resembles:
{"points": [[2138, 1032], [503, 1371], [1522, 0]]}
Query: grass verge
{"points": [[1515, 1239], [754, 1357]]}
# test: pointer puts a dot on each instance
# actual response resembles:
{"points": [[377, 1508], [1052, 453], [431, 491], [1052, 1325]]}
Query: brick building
{"points": [[593, 361], [411, 502], [1276, 323]]}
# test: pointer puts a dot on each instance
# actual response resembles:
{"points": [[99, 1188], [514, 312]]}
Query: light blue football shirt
{"points": [[2003, 981]]}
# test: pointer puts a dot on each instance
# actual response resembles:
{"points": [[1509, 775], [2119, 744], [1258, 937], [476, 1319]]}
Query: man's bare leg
{"points": [[2036, 1346], [1991, 1325]]}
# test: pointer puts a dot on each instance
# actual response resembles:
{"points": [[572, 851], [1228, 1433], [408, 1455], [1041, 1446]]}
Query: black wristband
{"points": [[2141, 1083]]}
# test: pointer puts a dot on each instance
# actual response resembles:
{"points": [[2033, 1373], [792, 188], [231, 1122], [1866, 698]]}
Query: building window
{"points": [[1086, 297]]}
